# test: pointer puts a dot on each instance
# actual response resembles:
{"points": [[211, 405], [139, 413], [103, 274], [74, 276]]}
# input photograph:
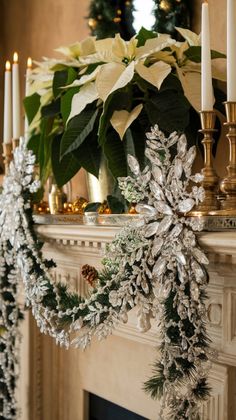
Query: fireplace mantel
{"points": [[71, 246]]}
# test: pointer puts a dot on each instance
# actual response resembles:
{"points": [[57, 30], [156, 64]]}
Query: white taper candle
{"points": [[27, 85], [7, 123], [206, 85], [16, 120]]}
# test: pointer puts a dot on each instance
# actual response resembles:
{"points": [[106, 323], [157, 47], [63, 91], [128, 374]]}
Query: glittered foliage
{"points": [[155, 265]]}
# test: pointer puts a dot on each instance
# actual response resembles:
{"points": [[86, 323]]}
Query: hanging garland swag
{"points": [[155, 265]]}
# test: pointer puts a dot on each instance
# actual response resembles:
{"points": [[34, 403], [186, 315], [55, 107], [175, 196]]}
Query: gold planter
{"points": [[99, 188]]}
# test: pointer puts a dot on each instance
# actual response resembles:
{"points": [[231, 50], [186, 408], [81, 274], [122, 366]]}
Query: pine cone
{"points": [[90, 274]]}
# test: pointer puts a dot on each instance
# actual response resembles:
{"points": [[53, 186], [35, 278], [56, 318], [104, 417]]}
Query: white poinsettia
{"points": [[192, 38], [85, 47], [107, 65]]}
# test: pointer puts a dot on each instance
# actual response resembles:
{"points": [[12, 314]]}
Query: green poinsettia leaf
{"points": [[114, 151], [72, 75], [143, 35], [194, 54], [121, 99], [31, 105], [66, 100], [89, 154], [115, 205], [44, 150], [78, 130], [33, 144], [51, 109], [59, 80], [63, 169], [168, 108]]}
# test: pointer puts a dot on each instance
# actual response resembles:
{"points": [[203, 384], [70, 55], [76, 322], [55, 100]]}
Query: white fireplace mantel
{"points": [[72, 246]]}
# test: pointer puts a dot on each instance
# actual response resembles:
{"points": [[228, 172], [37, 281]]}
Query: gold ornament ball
{"points": [[99, 17], [92, 23], [119, 12], [117, 20], [165, 5], [127, 3]]}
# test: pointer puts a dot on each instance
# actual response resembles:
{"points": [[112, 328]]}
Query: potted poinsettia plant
{"points": [[101, 98]]}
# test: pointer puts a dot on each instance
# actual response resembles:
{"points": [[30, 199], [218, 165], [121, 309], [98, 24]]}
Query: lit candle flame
{"points": [[29, 63], [15, 58], [8, 65]]}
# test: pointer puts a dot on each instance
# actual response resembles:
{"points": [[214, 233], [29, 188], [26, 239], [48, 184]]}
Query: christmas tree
{"points": [[172, 13], [108, 17]]}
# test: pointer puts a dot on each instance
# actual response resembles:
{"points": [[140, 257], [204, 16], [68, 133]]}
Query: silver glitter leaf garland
{"points": [[155, 265]]}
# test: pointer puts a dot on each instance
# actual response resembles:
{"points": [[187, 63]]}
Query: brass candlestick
{"points": [[228, 184], [15, 143], [210, 181], [7, 155]]}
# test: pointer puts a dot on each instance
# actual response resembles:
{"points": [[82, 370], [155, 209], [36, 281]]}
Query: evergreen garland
{"points": [[156, 266]]}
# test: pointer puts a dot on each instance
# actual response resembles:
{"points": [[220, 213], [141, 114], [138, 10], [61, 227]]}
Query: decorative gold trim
{"points": [[7, 155]]}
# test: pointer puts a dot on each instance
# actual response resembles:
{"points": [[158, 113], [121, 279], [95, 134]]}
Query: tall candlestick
{"points": [[231, 51], [7, 125], [15, 97], [206, 85], [27, 88]]}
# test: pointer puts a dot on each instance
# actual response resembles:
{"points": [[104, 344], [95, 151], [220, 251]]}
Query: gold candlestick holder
{"points": [[7, 155], [228, 184], [15, 143], [210, 181]]}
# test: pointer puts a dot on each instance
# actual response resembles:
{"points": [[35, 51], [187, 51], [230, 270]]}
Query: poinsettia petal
{"points": [[154, 74], [87, 94], [121, 120], [113, 76]]}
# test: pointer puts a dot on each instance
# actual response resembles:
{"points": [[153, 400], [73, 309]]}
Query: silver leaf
{"points": [[151, 229], [200, 256], [182, 146], [156, 190], [195, 292], [198, 271], [145, 178], [164, 225], [176, 231], [157, 174], [190, 156], [178, 168], [144, 285], [139, 254], [169, 196], [162, 207], [133, 164], [186, 205], [159, 267], [181, 258], [157, 245], [146, 209], [152, 156]]}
